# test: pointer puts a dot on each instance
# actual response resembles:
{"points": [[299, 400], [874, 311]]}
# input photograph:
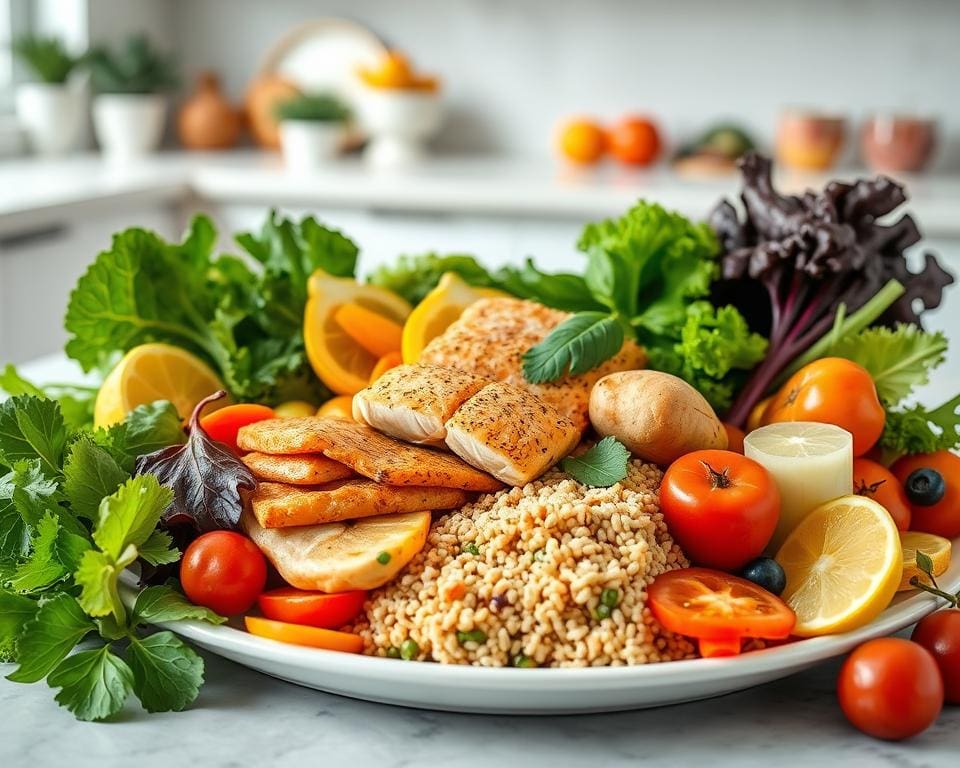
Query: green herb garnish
{"points": [[471, 549], [605, 464]]}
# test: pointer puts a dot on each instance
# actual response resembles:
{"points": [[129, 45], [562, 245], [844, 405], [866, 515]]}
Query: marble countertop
{"points": [[244, 718]]}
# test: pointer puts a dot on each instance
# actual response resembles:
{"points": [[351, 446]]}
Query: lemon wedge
{"points": [[338, 359], [437, 312], [155, 372], [340, 407], [843, 564], [935, 547]]}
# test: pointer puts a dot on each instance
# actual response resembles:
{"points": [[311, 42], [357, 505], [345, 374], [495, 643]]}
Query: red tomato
{"points": [[939, 633], [721, 507], [223, 571], [296, 634], [890, 688], [224, 424], [718, 609], [735, 437], [942, 518], [634, 141], [314, 609], [832, 391], [878, 483]]}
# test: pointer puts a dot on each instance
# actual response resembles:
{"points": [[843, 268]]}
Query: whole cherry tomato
{"points": [[878, 483], [942, 518], [224, 424], [634, 141], [939, 633], [832, 391], [721, 507], [890, 688], [223, 571]]}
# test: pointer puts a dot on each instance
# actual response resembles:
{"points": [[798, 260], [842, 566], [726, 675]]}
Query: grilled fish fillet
{"points": [[510, 433], [491, 336], [413, 402], [381, 458], [279, 506], [306, 469]]}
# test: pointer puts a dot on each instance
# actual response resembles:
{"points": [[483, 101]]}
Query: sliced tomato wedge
{"points": [[718, 609], [314, 609], [297, 634]]}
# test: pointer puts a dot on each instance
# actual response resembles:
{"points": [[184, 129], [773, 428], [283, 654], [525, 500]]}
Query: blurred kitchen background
{"points": [[494, 127]]}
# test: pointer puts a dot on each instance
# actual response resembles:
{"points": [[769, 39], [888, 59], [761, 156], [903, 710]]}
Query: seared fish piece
{"points": [[279, 506], [413, 402], [339, 557], [306, 469], [510, 433], [366, 451], [491, 336]]}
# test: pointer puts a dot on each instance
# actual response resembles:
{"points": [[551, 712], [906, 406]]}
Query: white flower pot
{"points": [[51, 116], [308, 144], [129, 124]]}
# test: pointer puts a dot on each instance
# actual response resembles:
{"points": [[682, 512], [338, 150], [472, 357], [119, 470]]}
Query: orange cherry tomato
{"points": [[942, 518], [297, 634], [878, 483], [223, 571], [890, 688], [314, 609], [735, 437], [832, 391], [718, 609], [634, 141], [223, 425], [583, 141], [721, 507]]}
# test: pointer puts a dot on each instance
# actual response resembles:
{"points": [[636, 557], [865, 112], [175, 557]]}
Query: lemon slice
{"points": [[340, 362], [437, 312], [155, 372], [843, 564], [339, 407], [936, 548]]}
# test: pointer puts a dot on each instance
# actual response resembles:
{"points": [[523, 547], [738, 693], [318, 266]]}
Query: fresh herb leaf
{"points": [[57, 627], [55, 554], [32, 428], [167, 674], [159, 549], [560, 291], [924, 563], [147, 428], [605, 464], [129, 516], [15, 612], [413, 277], [918, 430], [76, 401], [97, 576], [579, 344], [205, 476], [91, 474], [25, 496], [163, 603], [93, 684]]}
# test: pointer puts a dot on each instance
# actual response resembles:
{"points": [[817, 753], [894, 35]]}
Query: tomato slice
{"points": [[718, 608], [297, 634], [224, 424], [315, 609]]}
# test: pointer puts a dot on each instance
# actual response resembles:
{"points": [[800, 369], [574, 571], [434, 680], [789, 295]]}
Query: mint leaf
{"points": [[605, 464], [93, 684], [159, 549], [159, 604], [579, 344], [15, 612], [97, 578], [32, 428], [90, 475], [167, 674], [130, 515], [46, 640]]}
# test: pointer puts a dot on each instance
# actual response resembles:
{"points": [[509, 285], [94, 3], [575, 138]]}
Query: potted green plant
{"points": [[50, 109], [129, 108], [312, 129]]}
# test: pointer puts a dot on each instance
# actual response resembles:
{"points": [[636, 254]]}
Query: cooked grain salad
{"points": [[550, 574]]}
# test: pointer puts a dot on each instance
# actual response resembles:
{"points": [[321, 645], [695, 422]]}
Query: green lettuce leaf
{"points": [[32, 427], [414, 276], [919, 430], [90, 474]]}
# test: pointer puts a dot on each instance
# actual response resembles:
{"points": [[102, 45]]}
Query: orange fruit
{"points": [[583, 141], [634, 141]]}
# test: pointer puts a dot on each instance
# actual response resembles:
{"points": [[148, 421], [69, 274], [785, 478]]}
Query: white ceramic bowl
{"points": [[399, 123]]}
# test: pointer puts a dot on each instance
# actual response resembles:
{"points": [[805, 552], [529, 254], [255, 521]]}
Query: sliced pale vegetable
{"points": [[339, 407], [340, 362], [152, 372], [293, 409], [384, 364], [377, 334], [438, 310], [937, 548], [843, 564], [298, 634]]}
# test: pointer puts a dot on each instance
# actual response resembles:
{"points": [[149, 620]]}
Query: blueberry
{"points": [[766, 572], [925, 487]]}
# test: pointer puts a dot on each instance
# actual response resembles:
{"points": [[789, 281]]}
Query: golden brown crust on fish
{"points": [[305, 469]]}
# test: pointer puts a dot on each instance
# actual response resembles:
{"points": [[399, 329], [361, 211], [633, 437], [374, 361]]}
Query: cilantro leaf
{"points": [[167, 673], [93, 684], [605, 464], [32, 428], [898, 359], [159, 549], [15, 612], [918, 430], [57, 627], [90, 475], [25, 496], [97, 576], [162, 603], [579, 344], [130, 515]]}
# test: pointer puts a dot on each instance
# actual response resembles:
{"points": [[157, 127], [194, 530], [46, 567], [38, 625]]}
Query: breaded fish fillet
{"points": [[366, 451], [413, 402], [491, 336], [510, 433], [279, 506], [306, 469]]}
